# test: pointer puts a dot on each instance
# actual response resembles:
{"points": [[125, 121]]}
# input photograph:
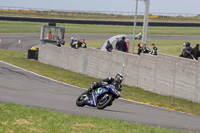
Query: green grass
{"points": [[20, 59], [18, 118], [35, 27]]}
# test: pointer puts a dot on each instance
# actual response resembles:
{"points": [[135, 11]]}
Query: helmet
{"points": [[187, 44], [119, 78]]}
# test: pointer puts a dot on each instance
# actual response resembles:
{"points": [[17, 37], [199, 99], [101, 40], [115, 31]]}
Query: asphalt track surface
{"points": [[10, 41], [22, 87]]}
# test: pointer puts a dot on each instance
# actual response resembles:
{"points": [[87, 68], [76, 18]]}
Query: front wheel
{"points": [[104, 102], [80, 101]]}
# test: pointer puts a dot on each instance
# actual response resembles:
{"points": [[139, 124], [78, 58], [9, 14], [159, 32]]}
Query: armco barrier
{"points": [[99, 22], [162, 74]]}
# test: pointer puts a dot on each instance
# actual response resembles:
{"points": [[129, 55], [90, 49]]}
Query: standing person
{"points": [[72, 41], [186, 53], [109, 46], [154, 50], [140, 48], [146, 49], [80, 43], [183, 51], [75, 43], [58, 42], [49, 35], [62, 42], [188, 48], [117, 44], [122, 45], [84, 44], [127, 45], [195, 52]]}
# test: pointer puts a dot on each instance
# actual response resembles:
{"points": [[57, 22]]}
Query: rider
{"points": [[114, 81]]}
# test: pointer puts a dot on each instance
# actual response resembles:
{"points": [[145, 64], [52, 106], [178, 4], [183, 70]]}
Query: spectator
{"points": [[109, 46], [58, 42], [80, 43], [122, 45], [72, 41], [127, 45], [62, 42], [195, 52], [154, 50], [75, 43], [84, 44], [183, 52], [186, 53], [140, 48], [49, 35], [117, 44], [188, 48], [146, 49]]}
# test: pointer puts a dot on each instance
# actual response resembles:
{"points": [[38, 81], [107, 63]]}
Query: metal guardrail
{"points": [[49, 11]]}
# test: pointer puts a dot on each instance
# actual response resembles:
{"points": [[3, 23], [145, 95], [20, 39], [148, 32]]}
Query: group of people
{"points": [[75, 43], [189, 52], [122, 44], [142, 48]]}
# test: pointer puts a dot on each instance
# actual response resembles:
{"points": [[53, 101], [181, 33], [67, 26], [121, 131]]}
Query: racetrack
{"points": [[23, 87], [10, 41]]}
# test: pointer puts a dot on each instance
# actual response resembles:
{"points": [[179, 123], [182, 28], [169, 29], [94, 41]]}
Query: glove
{"points": [[94, 83]]}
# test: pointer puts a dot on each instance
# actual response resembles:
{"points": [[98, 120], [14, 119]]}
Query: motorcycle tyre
{"points": [[108, 102], [80, 103]]}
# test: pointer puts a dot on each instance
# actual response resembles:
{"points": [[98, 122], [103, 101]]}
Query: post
{"points": [[145, 23], [134, 28]]}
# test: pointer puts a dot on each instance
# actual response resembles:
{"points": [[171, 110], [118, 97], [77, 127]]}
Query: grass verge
{"points": [[19, 118], [35, 27], [134, 93]]}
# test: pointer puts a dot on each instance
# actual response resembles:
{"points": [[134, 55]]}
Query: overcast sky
{"points": [[159, 6]]}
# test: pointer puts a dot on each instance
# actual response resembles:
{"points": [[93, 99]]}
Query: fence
{"points": [[162, 74]]}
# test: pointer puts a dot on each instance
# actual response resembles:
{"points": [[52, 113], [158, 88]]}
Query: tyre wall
{"points": [[99, 22]]}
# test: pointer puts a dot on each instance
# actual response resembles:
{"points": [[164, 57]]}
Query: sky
{"points": [[158, 6]]}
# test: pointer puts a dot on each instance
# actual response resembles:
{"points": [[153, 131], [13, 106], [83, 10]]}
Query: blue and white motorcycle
{"points": [[100, 98]]}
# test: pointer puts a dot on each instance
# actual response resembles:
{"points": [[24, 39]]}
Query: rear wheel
{"points": [[104, 102], [80, 101]]}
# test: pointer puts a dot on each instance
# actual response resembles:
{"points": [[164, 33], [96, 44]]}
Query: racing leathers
{"points": [[146, 49], [109, 80], [154, 51]]}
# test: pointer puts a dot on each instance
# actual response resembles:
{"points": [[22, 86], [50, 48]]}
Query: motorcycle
{"points": [[138, 36], [100, 98]]}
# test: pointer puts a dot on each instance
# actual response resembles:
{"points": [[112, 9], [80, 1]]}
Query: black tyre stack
{"points": [[33, 54]]}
